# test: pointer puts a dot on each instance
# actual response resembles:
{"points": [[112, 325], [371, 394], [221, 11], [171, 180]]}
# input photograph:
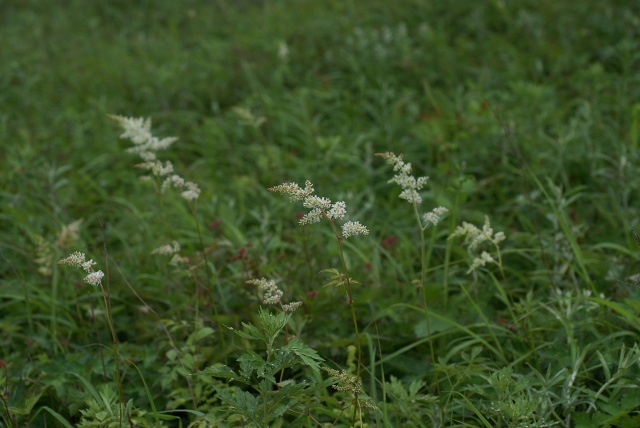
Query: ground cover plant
{"points": [[319, 213]]}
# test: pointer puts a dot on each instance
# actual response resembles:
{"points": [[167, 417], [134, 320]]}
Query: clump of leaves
{"points": [[509, 401], [412, 407], [272, 390], [105, 411]]}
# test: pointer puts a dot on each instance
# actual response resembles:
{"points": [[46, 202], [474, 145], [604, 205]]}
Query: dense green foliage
{"points": [[526, 112]]}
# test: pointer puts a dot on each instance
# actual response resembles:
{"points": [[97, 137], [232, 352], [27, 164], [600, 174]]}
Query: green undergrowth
{"points": [[517, 306]]}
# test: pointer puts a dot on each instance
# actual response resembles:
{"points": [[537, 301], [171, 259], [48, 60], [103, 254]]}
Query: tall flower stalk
{"points": [[476, 240], [94, 277], [319, 208], [410, 186], [145, 144]]}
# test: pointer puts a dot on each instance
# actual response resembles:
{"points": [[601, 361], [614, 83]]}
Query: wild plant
{"points": [[94, 277], [410, 406], [321, 207], [410, 187], [476, 240], [272, 374], [103, 411], [272, 295], [509, 401], [146, 145], [352, 397]]}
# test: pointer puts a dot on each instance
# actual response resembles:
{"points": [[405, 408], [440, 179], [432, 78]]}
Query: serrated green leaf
{"points": [[290, 389], [272, 324], [250, 332], [284, 358], [222, 371], [250, 362], [242, 403], [305, 353], [585, 420], [335, 277]]}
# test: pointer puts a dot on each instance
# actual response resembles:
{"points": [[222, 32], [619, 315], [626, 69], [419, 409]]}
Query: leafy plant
{"points": [[276, 388]]}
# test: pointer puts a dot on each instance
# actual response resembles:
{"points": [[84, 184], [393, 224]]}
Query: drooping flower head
{"points": [[410, 184], [272, 294], [319, 207], [474, 237], [410, 187], [77, 259], [138, 131]]}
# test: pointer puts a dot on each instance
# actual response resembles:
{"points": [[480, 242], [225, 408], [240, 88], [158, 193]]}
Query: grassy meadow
{"points": [[500, 292]]}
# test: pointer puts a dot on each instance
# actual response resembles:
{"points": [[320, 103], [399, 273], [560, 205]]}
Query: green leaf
{"points": [[272, 324], [244, 403], [24, 408], [307, 355], [335, 278], [56, 415], [284, 358], [199, 334], [250, 362], [586, 420], [222, 371], [250, 332]]}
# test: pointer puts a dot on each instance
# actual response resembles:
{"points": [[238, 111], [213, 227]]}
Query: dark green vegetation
{"points": [[526, 112]]}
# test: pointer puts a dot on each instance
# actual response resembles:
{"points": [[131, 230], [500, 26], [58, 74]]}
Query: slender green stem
{"points": [[347, 287], [114, 338], [448, 249], [423, 287]]}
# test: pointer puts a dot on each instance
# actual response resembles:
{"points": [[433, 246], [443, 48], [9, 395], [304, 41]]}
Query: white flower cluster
{"points": [[157, 168], [474, 237], [480, 261], [138, 131], [173, 250], [410, 185], [69, 233], [272, 294], [290, 307], [77, 259], [319, 207], [434, 216], [167, 250], [192, 192], [351, 228]]}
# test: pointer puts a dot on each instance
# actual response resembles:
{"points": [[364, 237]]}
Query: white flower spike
{"points": [[319, 207]]}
